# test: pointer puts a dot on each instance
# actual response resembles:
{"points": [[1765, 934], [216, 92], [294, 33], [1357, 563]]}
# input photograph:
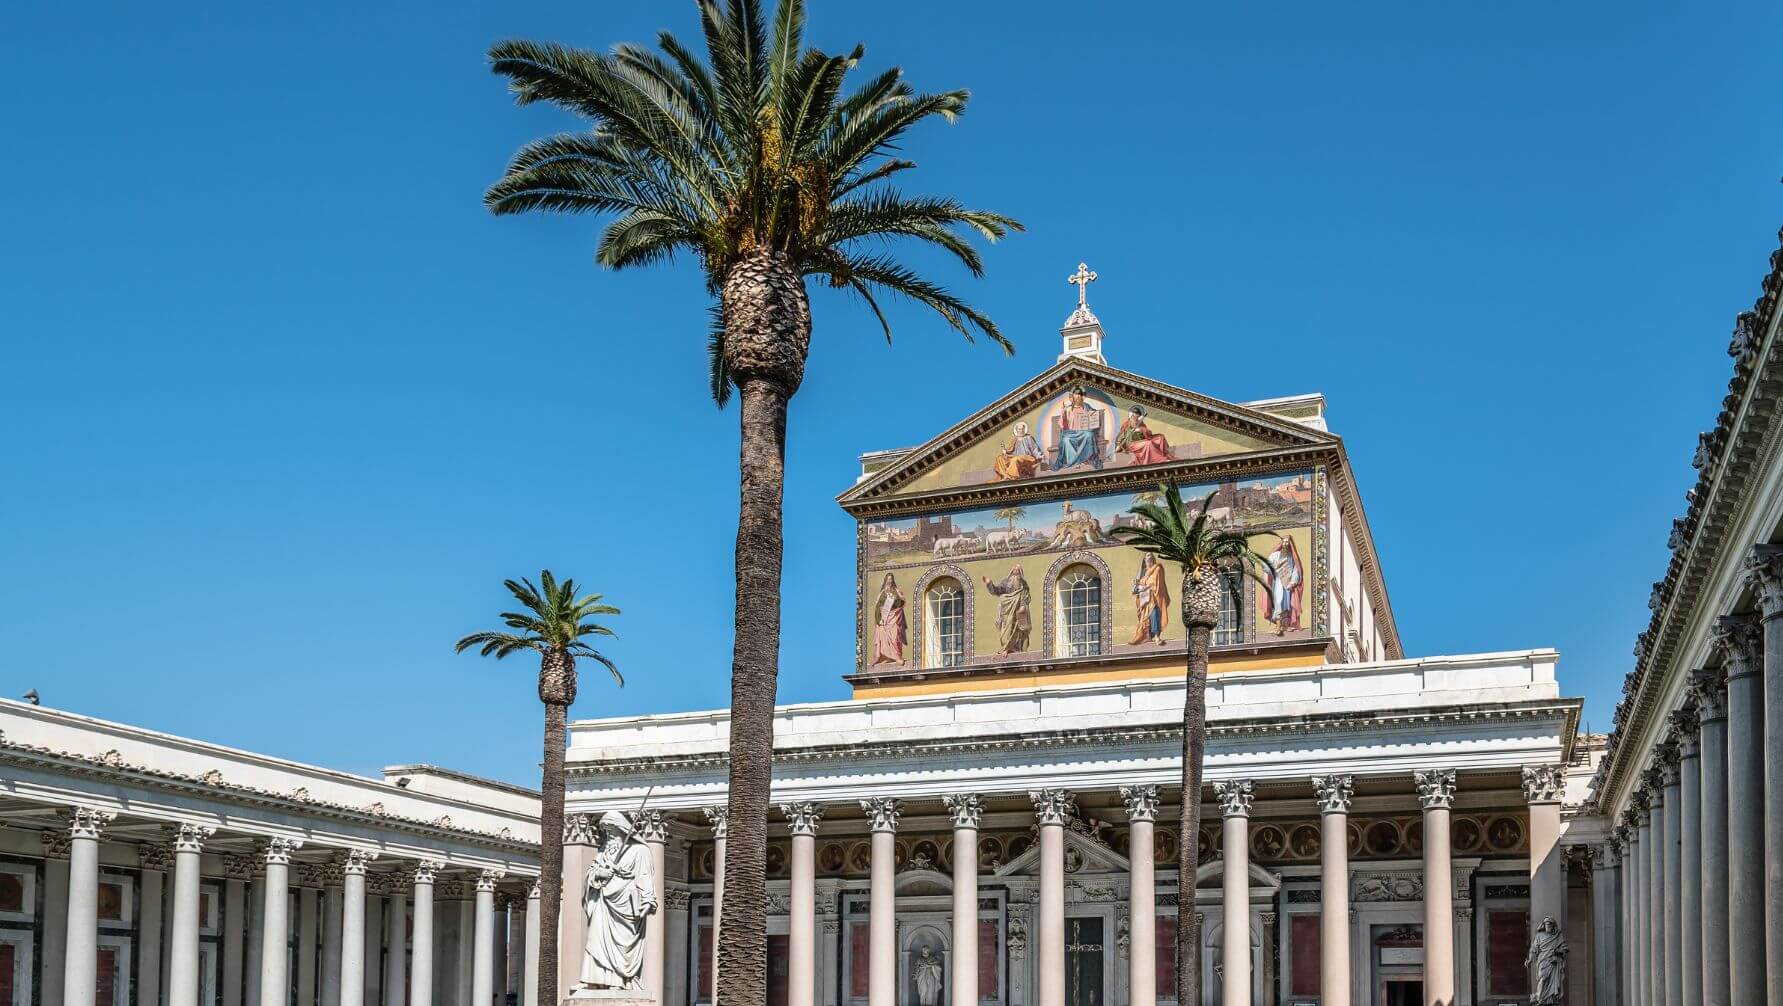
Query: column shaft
{"points": [[332, 916], [1334, 907], [1690, 907], [483, 943], [1656, 904], [967, 810], [1671, 933], [352, 938], [182, 954], [1050, 949], [421, 937], [309, 933], [151, 928], [801, 979], [395, 960], [653, 829], [1711, 694], [882, 971], [1764, 572], [1436, 792], [1142, 907], [1235, 877], [80, 965], [1739, 636], [529, 974], [275, 924]]}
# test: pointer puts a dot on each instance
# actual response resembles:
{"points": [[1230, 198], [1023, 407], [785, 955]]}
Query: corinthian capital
{"points": [[1141, 801], [1053, 806], [1235, 797], [651, 826], [190, 837], [1764, 572], [487, 879], [1708, 689], [1436, 788], [966, 809], [277, 851], [578, 829], [356, 862], [1686, 726], [1544, 783], [1741, 642], [86, 822], [1334, 792], [802, 818], [883, 811]]}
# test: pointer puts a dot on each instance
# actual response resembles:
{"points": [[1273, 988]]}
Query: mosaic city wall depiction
{"points": [[1008, 563]]}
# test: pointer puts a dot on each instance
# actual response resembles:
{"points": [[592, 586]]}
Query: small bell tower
{"points": [[1082, 332]]}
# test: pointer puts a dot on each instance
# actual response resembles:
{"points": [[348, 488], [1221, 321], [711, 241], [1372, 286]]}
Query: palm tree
{"points": [[552, 625], [1167, 531], [1011, 514], [759, 164]]}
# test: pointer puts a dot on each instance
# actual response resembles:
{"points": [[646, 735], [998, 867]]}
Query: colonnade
{"points": [[269, 982], [1695, 862], [1054, 810]]}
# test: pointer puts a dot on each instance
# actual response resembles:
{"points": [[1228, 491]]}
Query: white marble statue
{"points": [[618, 897], [926, 969], [1547, 958]]}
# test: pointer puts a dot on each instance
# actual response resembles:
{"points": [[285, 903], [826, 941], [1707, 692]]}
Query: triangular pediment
{"points": [[1044, 431], [1083, 854]]}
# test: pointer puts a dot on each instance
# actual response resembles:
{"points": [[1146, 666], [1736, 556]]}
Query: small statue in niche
{"points": [[926, 970]]}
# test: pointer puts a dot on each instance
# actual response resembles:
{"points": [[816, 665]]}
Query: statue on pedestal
{"points": [[1547, 962], [926, 969], [618, 898]]}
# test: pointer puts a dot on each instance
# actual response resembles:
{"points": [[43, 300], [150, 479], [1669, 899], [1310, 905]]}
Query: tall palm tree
{"points": [[757, 162], [553, 624], [1166, 530]]}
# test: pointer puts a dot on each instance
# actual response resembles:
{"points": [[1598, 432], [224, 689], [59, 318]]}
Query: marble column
{"points": [[529, 972], [53, 929], [332, 917], [718, 816], [1642, 869], [1685, 729], [1764, 571], [1436, 794], [1334, 793], [275, 923], [1709, 689], [155, 861], [309, 932], [1543, 787], [182, 957], [352, 948], [1670, 932], [801, 911], [653, 830], [1739, 637], [80, 965], [421, 933], [1142, 896], [882, 934], [1235, 890], [1053, 808], [1605, 920], [396, 926], [1656, 893], [483, 939], [967, 810]]}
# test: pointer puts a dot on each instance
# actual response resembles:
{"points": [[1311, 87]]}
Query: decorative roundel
{"points": [[1414, 836], [703, 864], [1209, 846], [1268, 843], [1504, 833], [946, 860], [990, 853], [1017, 845], [860, 857], [900, 855], [1303, 842], [1164, 846], [1381, 838], [1465, 834], [1355, 840], [832, 858], [776, 859], [925, 853]]}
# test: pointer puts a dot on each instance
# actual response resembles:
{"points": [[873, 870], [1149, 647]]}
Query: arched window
{"points": [[1079, 612], [1231, 627], [945, 624]]}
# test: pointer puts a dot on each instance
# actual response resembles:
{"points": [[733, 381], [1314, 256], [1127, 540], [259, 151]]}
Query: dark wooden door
{"points": [[1083, 962]]}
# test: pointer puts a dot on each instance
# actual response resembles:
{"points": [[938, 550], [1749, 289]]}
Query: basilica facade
{"points": [[989, 816]]}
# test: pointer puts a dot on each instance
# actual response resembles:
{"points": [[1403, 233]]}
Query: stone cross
{"points": [[1082, 279]]}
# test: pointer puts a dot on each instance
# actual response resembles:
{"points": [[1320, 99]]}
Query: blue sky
{"points": [[284, 403]]}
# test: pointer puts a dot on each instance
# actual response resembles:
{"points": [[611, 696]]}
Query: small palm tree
{"points": [[759, 163], [1166, 530], [552, 625], [1011, 514]]}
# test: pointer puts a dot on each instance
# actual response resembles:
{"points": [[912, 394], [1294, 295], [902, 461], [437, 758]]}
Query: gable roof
{"points": [[897, 477]]}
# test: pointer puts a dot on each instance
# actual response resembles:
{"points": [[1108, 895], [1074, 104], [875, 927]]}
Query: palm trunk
{"points": [[767, 322], [1199, 615], [551, 850], [557, 689]]}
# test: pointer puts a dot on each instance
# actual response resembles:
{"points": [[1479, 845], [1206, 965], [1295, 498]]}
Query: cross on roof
{"points": [[1082, 279]]}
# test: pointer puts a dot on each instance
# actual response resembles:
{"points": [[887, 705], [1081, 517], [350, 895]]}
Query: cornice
{"points": [[1731, 461], [1328, 723], [111, 767], [1053, 665]]}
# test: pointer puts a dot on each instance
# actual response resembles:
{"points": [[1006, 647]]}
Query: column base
{"points": [[588, 995]]}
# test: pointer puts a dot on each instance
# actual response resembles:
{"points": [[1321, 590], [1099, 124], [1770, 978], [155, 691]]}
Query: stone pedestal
{"points": [[583, 995]]}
